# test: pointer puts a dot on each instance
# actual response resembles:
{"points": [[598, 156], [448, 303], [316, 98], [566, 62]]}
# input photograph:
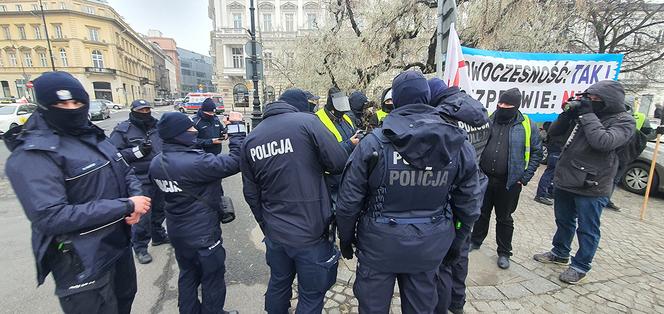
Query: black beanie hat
{"points": [[173, 124], [511, 96], [55, 87], [208, 105]]}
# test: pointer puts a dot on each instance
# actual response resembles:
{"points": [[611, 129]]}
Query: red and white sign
{"points": [[29, 84], [455, 73]]}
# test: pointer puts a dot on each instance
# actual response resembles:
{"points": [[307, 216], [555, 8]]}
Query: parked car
{"points": [[99, 110], [13, 115], [159, 102], [110, 104], [635, 178]]}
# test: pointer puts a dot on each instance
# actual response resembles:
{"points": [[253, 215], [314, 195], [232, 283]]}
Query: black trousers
{"points": [[505, 202]]}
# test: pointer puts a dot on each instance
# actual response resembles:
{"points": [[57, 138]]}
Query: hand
{"points": [[235, 116], [141, 204], [355, 139], [133, 219], [586, 107], [347, 251], [216, 141], [453, 253]]}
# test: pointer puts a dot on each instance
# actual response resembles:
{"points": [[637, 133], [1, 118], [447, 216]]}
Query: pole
{"points": [[48, 39], [660, 130], [256, 114], [446, 16]]}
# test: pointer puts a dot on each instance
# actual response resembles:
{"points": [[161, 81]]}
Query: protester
{"points": [[358, 102], [80, 197], [554, 145], [394, 201], [138, 142], [585, 172], [283, 161], [510, 160], [190, 180]]}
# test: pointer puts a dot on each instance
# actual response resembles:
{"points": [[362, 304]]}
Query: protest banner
{"points": [[546, 80]]}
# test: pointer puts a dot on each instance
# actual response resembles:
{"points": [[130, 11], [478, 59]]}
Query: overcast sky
{"points": [[185, 21]]}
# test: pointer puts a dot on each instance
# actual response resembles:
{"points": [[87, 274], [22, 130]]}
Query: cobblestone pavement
{"points": [[627, 275]]}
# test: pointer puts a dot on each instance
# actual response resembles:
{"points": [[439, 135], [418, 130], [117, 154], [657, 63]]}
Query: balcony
{"points": [[230, 71], [231, 32], [93, 70]]}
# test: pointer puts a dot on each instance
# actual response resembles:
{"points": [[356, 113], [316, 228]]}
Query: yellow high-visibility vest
{"points": [[322, 115], [526, 126], [640, 118], [380, 114]]}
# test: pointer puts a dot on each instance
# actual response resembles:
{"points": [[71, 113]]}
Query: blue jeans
{"points": [[316, 269], [570, 207], [545, 185]]}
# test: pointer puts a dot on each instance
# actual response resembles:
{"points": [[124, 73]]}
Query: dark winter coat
{"points": [[209, 127], [73, 189], [127, 135], [283, 164], [588, 162]]}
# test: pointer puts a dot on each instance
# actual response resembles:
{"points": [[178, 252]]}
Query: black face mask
{"points": [[145, 117], [186, 138], [67, 120], [506, 115], [598, 106]]}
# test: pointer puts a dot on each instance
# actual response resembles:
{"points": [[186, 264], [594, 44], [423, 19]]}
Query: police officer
{"points": [[457, 107], [338, 123], [283, 160], [210, 129], [190, 180], [81, 198], [395, 191], [138, 142]]}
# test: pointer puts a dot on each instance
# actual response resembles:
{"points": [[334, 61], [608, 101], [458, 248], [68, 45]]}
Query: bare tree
{"points": [[633, 28]]}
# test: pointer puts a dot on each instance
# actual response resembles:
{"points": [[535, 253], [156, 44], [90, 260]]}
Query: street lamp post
{"points": [[256, 114], [48, 39]]}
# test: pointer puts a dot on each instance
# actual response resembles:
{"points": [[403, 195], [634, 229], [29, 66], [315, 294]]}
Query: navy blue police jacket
{"points": [[72, 188], [194, 222], [126, 136], [283, 164], [208, 128], [398, 187]]}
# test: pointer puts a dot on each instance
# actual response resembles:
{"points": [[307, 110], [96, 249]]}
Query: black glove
{"points": [[454, 253], [347, 251], [145, 148], [586, 107], [227, 210]]}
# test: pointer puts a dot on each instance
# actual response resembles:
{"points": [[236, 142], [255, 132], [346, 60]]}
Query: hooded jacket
{"points": [[413, 146], [588, 162], [73, 188], [283, 163]]}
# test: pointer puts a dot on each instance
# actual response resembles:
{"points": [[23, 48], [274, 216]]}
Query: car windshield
{"points": [[7, 110], [95, 105]]}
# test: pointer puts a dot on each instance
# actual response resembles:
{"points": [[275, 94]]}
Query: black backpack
{"points": [[634, 147]]}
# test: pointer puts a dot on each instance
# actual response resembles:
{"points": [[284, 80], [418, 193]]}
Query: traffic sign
{"points": [[28, 84], [249, 68], [249, 51]]}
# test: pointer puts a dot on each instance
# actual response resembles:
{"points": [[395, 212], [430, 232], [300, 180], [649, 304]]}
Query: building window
{"points": [[238, 58], [37, 29], [267, 60], [63, 57], [58, 31], [12, 59], [289, 22], [311, 21], [42, 59], [19, 7], [27, 57], [267, 22], [1, 62], [88, 9], [6, 32], [21, 32], [3, 8], [237, 20], [35, 7], [63, 6], [97, 59], [94, 34]]}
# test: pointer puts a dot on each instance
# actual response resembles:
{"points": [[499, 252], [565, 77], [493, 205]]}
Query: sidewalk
{"points": [[627, 275]]}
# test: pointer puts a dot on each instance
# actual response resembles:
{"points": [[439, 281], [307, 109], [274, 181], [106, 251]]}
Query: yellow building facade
{"points": [[88, 39]]}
